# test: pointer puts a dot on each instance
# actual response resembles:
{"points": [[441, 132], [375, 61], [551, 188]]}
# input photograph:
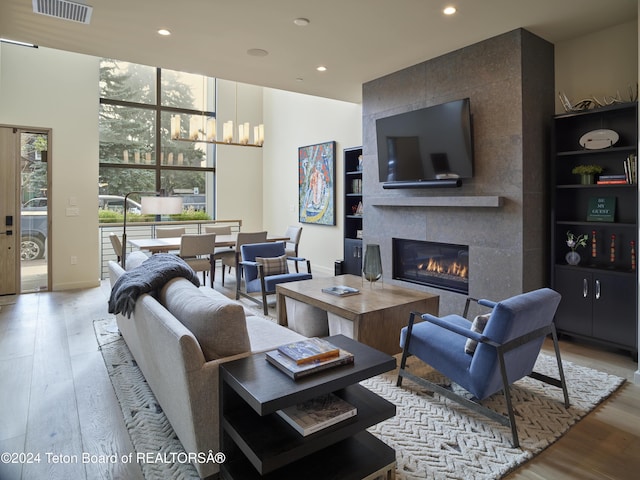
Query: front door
{"points": [[24, 211], [9, 235]]}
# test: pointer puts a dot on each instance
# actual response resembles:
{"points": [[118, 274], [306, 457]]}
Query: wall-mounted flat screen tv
{"points": [[427, 145]]}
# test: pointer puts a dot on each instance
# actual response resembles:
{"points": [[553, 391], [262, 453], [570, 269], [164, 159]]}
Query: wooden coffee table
{"points": [[374, 317]]}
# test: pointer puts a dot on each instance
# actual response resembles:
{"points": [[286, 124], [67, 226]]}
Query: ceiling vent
{"points": [[64, 9]]}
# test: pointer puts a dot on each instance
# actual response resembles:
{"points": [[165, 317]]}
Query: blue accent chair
{"points": [[506, 351], [257, 278]]}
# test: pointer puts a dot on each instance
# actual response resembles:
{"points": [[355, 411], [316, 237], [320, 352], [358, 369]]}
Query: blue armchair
{"points": [[264, 265], [505, 351]]}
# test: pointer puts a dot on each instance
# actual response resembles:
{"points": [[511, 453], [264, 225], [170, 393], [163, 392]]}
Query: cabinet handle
{"points": [[585, 288], [597, 289]]}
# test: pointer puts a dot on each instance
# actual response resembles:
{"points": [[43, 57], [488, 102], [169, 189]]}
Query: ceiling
{"points": [[357, 40]]}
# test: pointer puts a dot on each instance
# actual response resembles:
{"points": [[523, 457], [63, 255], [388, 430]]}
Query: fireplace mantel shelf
{"points": [[485, 201]]}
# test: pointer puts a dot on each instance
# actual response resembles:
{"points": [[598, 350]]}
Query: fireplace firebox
{"points": [[440, 265]]}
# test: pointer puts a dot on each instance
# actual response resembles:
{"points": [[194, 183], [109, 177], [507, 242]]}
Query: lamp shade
{"points": [[161, 205]]}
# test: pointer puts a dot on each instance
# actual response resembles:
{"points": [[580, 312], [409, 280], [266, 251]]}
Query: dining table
{"points": [[163, 245]]}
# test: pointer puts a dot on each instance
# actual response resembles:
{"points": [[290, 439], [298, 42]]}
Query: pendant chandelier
{"points": [[203, 129]]}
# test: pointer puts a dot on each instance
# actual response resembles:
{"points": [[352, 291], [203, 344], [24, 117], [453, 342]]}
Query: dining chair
{"points": [[116, 244], [294, 233], [170, 232], [195, 249], [219, 252], [233, 258]]}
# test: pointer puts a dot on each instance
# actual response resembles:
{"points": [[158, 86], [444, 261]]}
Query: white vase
{"points": [[573, 258]]}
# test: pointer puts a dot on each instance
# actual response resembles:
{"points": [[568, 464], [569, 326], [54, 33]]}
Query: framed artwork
{"points": [[316, 183]]}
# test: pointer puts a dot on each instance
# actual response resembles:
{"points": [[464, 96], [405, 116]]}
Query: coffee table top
{"points": [[267, 389], [371, 297]]}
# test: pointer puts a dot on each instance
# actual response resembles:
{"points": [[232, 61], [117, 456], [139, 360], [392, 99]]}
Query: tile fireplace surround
{"points": [[501, 213]]}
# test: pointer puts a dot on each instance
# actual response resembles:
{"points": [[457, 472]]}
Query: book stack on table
{"points": [[308, 356], [318, 413]]}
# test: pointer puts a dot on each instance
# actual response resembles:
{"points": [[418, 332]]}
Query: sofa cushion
{"points": [[219, 325], [273, 265]]}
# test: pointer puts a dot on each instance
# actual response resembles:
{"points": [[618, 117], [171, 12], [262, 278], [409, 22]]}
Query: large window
{"points": [[136, 150]]}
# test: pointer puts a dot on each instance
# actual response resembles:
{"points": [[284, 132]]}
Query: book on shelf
{"points": [[341, 290], [295, 371], [309, 350], [318, 413], [620, 176], [630, 168], [613, 182]]}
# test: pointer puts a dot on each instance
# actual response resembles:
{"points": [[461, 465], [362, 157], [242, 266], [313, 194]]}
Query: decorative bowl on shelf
{"points": [[599, 139]]}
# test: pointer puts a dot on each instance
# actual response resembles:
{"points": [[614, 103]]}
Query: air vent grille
{"points": [[64, 9]]}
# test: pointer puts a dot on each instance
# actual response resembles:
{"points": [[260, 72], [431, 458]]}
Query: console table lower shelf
{"points": [[360, 457], [258, 443]]}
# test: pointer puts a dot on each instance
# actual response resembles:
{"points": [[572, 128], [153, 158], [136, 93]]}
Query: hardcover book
{"points": [[341, 290], [318, 413], [295, 371], [308, 350]]}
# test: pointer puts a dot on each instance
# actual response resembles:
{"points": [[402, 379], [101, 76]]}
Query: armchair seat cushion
{"points": [[446, 355], [271, 281]]}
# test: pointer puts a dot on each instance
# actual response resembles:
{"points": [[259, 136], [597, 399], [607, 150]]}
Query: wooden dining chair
{"points": [[195, 249], [294, 233], [170, 232], [233, 258], [219, 252]]}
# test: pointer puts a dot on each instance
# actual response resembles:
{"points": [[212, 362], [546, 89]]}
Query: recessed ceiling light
{"points": [[164, 32], [302, 22], [257, 52], [449, 10], [321, 68]]}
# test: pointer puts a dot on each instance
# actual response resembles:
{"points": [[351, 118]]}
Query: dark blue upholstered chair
{"points": [[506, 351], [257, 278]]}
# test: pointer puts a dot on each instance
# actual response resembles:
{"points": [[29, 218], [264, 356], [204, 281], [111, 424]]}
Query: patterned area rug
{"points": [[434, 438]]}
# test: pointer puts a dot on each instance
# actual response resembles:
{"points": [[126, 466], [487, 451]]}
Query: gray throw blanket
{"points": [[151, 275]]}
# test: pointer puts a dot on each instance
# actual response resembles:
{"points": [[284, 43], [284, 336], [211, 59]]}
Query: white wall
{"points": [[599, 64], [239, 169], [293, 120], [47, 88]]}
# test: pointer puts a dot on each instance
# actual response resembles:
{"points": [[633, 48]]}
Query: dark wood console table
{"points": [[259, 444]]}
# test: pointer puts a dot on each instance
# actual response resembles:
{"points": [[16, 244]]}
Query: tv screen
{"points": [[433, 143]]}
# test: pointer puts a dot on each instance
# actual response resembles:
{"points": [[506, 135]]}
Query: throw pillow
{"points": [[273, 265], [219, 325], [477, 326]]}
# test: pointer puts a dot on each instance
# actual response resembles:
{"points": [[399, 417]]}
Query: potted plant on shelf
{"points": [[587, 173]]}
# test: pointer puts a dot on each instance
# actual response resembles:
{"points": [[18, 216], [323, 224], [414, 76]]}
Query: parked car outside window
{"points": [[33, 222]]}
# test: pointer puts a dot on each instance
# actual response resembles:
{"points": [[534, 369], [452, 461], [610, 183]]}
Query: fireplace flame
{"points": [[453, 268]]}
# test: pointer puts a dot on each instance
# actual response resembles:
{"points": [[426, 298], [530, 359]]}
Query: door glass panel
{"points": [[34, 212]]}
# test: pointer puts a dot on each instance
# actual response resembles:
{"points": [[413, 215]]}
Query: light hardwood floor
{"points": [[56, 399]]}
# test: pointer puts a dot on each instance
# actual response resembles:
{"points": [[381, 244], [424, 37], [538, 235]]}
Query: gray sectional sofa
{"points": [[179, 340]]}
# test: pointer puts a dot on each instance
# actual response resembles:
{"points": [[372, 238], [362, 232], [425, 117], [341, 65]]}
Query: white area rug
{"points": [[434, 438]]}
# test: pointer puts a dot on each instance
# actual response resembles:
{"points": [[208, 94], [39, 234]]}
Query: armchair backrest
{"points": [[510, 319], [264, 250], [194, 245]]}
